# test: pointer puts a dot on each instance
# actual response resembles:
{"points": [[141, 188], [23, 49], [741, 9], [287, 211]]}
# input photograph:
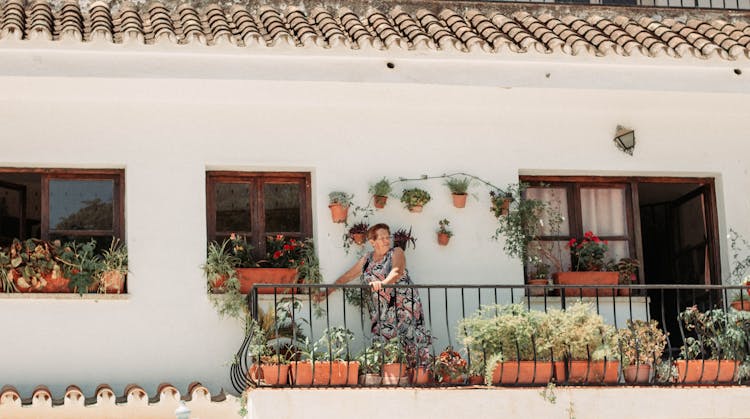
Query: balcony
{"points": [[699, 325]]}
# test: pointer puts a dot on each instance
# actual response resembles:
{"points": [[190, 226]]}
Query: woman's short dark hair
{"points": [[373, 231]]}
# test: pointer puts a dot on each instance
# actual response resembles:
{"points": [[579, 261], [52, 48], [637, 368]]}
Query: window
{"points": [[65, 204], [668, 224], [258, 204]]}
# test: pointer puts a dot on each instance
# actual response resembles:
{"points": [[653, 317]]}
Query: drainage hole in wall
{"points": [[391, 65], [737, 71]]}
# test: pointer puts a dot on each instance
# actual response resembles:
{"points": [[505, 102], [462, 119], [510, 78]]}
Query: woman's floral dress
{"points": [[397, 312]]}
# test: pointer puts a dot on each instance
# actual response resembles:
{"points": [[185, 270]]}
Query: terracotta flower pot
{"points": [[250, 276], [394, 374], [709, 371], [113, 282], [522, 372], [336, 373], [743, 305], [459, 200], [255, 373], [624, 292], [420, 376], [443, 239], [537, 291], [637, 373], [370, 379], [586, 278], [476, 380], [301, 373], [504, 207], [588, 372], [415, 208], [358, 238], [56, 284], [379, 201], [275, 374], [338, 213]]}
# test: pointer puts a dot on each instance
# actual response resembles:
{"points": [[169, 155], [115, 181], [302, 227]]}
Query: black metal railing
{"points": [[309, 338]]}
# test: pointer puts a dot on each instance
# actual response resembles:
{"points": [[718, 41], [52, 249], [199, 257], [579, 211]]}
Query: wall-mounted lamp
{"points": [[625, 139]]}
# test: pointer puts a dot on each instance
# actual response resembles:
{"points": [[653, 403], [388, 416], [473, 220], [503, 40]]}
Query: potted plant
{"points": [[380, 191], [358, 233], [370, 364], [402, 238], [538, 277], [330, 364], [80, 265], [626, 268], [339, 203], [32, 263], [716, 342], [394, 363], [740, 302], [500, 202], [274, 366], [414, 199], [114, 268], [443, 234], [583, 344], [589, 267], [450, 367], [511, 338], [642, 344], [458, 187]]}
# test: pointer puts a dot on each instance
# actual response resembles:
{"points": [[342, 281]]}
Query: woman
{"points": [[394, 312]]}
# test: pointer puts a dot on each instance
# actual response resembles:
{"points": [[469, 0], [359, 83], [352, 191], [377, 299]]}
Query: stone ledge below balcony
{"points": [[579, 402]]}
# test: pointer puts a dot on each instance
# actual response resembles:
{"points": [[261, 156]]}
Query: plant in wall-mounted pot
{"points": [[459, 187], [358, 233], [443, 234], [500, 203], [414, 199], [339, 203], [380, 191], [402, 238]]}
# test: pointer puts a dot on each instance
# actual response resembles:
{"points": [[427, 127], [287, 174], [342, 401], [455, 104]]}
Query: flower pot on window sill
{"points": [[251, 276], [587, 278], [113, 282], [537, 291]]}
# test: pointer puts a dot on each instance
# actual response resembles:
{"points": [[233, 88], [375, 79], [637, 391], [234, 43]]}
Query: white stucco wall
{"points": [[174, 119]]}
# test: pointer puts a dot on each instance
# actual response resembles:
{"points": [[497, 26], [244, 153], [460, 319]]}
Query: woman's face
{"points": [[382, 241]]}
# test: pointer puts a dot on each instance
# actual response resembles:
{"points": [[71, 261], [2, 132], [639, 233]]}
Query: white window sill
{"points": [[63, 296]]}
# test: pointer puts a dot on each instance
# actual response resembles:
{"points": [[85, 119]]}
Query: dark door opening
{"points": [[677, 236]]}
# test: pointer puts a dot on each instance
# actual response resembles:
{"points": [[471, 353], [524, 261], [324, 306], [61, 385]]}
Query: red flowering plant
{"points": [[282, 252], [589, 253]]}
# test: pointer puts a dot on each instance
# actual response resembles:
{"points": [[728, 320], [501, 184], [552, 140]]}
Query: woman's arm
{"points": [[398, 267], [353, 272]]}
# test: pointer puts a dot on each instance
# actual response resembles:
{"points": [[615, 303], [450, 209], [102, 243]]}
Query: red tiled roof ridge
{"points": [[104, 393], [413, 25]]}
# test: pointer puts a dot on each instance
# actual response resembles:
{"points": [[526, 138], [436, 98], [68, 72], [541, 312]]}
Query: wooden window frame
{"points": [[573, 185], [256, 180], [47, 174]]}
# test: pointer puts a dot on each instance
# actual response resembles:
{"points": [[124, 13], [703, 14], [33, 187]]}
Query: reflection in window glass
{"points": [[233, 207], [81, 204], [603, 211], [617, 249], [557, 199], [102, 242], [281, 201]]}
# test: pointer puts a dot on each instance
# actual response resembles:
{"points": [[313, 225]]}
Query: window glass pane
{"points": [[281, 202], [557, 198], [233, 207], [81, 204], [603, 211], [617, 249], [555, 254], [692, 228]]}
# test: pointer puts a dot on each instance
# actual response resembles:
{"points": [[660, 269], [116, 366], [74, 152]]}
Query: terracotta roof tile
{"points": [[485, 28]]}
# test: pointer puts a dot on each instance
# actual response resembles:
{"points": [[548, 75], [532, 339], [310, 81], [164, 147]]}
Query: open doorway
{"points": [[678, 240]]}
